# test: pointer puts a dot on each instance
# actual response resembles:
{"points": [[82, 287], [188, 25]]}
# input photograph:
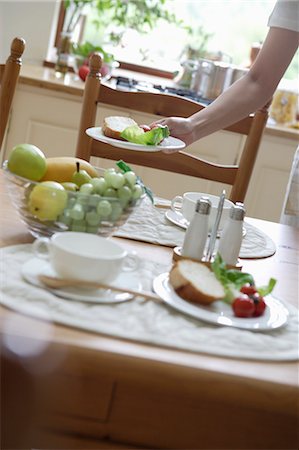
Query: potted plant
{"points": [[114, 17], [82, 52]]}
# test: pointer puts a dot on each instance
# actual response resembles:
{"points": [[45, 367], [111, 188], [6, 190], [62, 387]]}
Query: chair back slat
{"points": [[164, 105], [180, 162]]}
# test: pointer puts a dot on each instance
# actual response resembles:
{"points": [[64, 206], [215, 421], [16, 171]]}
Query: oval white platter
{"points": [[170, 143], [219, 312]]}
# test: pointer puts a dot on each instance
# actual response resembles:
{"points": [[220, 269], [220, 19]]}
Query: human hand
{"points": [[179, 127]]}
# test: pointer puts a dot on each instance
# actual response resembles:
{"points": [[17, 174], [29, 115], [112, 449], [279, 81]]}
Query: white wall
{"points": [[34, 20]]}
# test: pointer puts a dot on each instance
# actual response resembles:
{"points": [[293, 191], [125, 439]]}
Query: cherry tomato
{"points": [[260, 306], [248, 289], [243, 306], [145, 127]]}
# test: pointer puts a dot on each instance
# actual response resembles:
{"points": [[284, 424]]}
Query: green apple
{"points": [[47, 200], [28, 161]]}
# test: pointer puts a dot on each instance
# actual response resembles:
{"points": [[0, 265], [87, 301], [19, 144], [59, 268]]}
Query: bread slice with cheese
{"points": [[195, 282], [113, 126]]}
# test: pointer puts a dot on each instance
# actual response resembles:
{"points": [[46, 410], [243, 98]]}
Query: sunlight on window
{"points": [[230, 28]]}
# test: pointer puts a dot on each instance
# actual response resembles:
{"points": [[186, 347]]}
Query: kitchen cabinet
{"points": [[49, 118], [87, 399]]}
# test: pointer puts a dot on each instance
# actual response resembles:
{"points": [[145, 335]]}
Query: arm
{"points": [[246, 95]]}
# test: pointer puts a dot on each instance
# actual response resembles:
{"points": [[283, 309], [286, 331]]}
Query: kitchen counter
{"points": [[44, 77]]}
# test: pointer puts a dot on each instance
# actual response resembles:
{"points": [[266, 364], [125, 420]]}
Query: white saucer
{"points": [[219, 312], [177, 218], [36, 266], [169, 143]]}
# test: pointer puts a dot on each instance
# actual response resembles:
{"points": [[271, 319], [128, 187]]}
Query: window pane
{"points": [[233, 26]]}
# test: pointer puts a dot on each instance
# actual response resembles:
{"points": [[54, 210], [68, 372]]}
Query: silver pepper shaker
{"points": [[197, 231], [232, 235]]}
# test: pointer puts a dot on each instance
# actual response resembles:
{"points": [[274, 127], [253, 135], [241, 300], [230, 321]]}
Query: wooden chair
{"points": [[9, 74], [238, 176]]}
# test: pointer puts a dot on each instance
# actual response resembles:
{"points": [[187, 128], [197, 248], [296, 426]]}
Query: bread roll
{"points": [[113, 126], [195, 282]]}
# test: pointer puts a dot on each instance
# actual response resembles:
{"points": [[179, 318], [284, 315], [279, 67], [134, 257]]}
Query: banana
{"points": [[61, 168]]}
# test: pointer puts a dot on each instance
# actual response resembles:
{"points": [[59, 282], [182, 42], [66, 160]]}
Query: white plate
{"points": [[36, 266], [220, 313], [170, 143], [178, 219]]}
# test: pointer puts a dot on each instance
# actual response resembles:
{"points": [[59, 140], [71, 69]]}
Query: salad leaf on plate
{"points": [[137, 135], [232, 280]]}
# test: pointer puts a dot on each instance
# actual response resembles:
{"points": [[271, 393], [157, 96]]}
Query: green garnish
{"points": [[265, 290], [137, 135], [232, 280]]}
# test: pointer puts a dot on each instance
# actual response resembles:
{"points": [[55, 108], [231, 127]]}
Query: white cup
{"points": [[84, 256], [186, 203]]}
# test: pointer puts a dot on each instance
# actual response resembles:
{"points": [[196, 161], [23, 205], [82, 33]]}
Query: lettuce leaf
{"points": [[232, 280], [137, 135]]}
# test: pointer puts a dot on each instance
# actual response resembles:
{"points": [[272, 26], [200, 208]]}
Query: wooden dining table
{"points": [[88, 390]]}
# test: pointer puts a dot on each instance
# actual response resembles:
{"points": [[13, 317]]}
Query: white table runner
{"points": [[149, 224], [143, 321]]}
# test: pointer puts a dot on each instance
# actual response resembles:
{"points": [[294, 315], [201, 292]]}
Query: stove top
{"points": [[129, 84]]}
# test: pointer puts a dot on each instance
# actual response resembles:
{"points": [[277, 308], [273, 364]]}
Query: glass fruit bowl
{"points": [[46, 211]]}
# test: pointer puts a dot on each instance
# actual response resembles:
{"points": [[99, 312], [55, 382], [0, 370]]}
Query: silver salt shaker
{"points": [[197, 231]]}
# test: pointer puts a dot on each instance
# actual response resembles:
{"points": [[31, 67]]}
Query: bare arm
{"points": [[247, 95]]}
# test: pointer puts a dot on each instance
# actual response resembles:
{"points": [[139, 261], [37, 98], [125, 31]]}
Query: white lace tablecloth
{"points": [[149, 224], [139, 320]]}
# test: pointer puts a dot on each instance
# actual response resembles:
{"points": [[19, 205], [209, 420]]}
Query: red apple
{"points": [[105, 69], [83, 72]]}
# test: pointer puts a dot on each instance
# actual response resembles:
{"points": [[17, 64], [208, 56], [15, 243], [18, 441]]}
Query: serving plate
{"points": [[37, 266], [219, 312], [169, 143]]}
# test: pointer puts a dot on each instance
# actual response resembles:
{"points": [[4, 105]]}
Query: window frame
{"points": [[122, 64]]}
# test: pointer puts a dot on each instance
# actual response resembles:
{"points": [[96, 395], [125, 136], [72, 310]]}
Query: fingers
{"points": [[158, 122]]}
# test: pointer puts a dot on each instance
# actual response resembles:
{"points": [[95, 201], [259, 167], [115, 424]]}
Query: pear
{"points": [[61, 168], [80, 176]]}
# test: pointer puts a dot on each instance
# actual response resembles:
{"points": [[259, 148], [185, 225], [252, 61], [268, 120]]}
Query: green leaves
{"points": [[136, 135], [232, 280], [140, 15], [87, 48], [265, 290]]}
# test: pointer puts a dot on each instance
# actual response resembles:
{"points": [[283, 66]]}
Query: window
{"points": [[232, 27]]}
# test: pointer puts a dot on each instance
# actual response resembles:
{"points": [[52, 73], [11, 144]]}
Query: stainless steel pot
{"points": [[238, 72], [185, 75], [211, 78]]}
